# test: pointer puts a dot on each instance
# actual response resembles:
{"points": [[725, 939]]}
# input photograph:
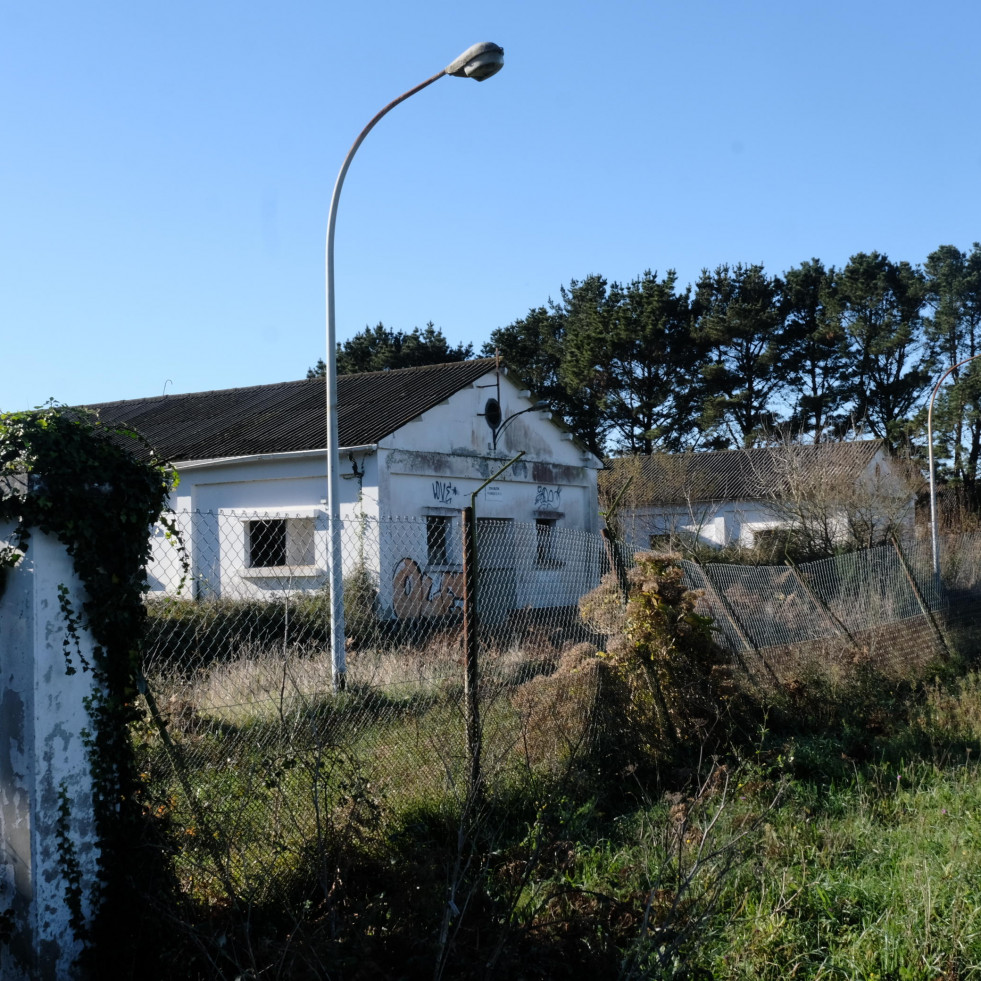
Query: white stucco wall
{"points": [[428, 469], [715, 524], [883, 496], [216, 499], [42, 717]]}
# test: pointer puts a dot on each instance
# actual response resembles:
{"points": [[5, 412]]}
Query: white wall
{"points": [[430, 467], [42, 716], [712, 524]]}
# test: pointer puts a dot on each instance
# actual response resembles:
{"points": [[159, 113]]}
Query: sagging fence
{"points": [[264, 762], [881, 607]]}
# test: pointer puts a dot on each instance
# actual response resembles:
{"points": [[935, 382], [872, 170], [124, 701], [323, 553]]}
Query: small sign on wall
{"points": [[493, 492]]}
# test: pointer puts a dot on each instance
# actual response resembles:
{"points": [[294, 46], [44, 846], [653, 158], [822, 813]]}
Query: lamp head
{"points": [[478, 62]]}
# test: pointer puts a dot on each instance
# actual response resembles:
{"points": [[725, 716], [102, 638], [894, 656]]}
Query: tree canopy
{"points": [[744, 357], [380, 348]]}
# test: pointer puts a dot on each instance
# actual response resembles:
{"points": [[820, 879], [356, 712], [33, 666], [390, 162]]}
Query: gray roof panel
{"points": [[289, 416], [744, 474]]}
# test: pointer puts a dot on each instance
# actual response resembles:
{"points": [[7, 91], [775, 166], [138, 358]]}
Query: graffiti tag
{"points": [[413, 594], [443, 491], [548, 497]]}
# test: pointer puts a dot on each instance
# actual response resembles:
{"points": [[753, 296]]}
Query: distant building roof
{"points": [[289, 416], [738, 475]]}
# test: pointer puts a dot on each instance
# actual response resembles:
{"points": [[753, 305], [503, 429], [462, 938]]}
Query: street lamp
{"points": [[478, 62], [934, 540]]}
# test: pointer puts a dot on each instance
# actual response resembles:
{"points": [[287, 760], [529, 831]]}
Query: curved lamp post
{"points": [[540, 406], [477, 62], [934, 539]]}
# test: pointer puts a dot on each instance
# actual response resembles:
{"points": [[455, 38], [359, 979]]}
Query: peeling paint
{"points": [[558, 473], [42, 714]]}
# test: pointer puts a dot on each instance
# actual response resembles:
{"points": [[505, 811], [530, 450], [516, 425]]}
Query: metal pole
{"points": [[471, 636], [479, 62], [470, 639], [335, 563]]}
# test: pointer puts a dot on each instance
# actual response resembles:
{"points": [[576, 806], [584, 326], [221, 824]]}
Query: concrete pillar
{"points": [[42, 759]]}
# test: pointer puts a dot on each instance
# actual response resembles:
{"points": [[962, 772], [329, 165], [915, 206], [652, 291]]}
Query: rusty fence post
{"points": [[471, 637], [470, 641]]}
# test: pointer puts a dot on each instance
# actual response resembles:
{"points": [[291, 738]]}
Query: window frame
{"points": [[265, 539], [438, 536], [303, 542], [545, 554]]}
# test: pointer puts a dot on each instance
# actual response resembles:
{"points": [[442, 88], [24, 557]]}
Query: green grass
{"points": [[838, 836], [247, 796], [866, 870], [876, 877]]}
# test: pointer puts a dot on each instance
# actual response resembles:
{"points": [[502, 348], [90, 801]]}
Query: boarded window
{"points": [[545, 542]]}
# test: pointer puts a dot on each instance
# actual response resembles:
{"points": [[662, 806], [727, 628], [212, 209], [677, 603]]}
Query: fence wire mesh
{"points": [[883, 607], [262, 758]]}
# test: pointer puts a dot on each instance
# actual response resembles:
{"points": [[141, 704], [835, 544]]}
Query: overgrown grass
{"points": [[787, 856], [878, 878], [264, 764], [867, 869], [827, 828]]}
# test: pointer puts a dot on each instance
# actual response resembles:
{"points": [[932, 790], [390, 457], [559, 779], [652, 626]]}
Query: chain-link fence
{"points": [[263, 755], [882, 607], [262, 758]]}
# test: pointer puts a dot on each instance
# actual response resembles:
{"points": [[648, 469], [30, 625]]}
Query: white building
{"points": [[415, 444], [828, 492]]}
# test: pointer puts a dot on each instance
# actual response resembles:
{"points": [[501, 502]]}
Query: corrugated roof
{"points": [[289, 416], [740, 475]]}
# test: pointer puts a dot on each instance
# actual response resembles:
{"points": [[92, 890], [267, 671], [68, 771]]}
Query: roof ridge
{"points": [[288, 416], [729, 450], [470, 362]]}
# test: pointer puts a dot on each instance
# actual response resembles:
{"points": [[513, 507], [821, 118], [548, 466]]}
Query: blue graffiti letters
{"points": [[444, 491], [548, 497]]}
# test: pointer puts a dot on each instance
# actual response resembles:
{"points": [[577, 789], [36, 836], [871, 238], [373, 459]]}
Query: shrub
{"points": [[189, 634], [556, 709], [669, 681], [361, 607]]}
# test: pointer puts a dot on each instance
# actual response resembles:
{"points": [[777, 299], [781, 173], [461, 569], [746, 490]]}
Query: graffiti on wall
{"points": [[415, 594], [548, 497], [444, 491]]}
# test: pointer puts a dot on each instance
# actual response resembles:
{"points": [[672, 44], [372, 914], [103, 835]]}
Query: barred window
{"points": [[278, 542]]}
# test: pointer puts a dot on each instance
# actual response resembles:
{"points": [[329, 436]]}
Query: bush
{"points": [[190, 634], [361, 607], [669, 681]]}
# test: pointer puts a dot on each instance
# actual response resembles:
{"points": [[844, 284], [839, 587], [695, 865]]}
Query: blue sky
{"points": [[166, 169]]}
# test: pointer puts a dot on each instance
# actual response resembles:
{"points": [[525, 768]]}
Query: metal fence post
{"points": [[921, 601], [470, 634], [719, 600], [470, 640], [837, 627]]}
